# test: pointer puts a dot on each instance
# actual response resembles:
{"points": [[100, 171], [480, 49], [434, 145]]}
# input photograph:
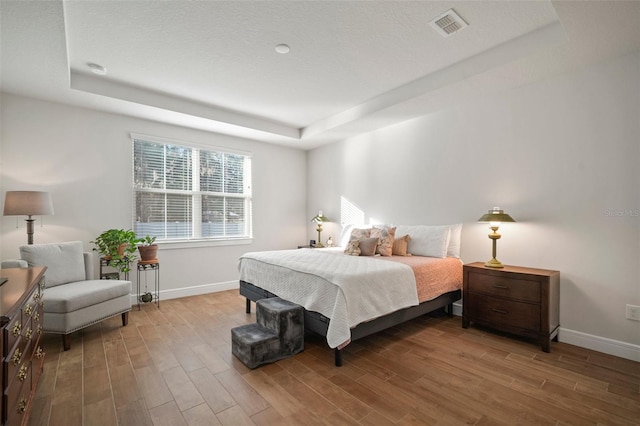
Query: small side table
{"points": [[518, 300], [144, 266]]}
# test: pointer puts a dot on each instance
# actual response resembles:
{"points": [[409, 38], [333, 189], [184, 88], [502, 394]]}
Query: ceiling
{"points": [[353, 66]]}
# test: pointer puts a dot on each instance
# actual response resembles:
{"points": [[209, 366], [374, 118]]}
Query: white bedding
{"points": [[347, 289]]}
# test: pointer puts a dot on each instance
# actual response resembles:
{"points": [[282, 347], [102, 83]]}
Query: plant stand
{"points": [[143, 267], [114, 274]]}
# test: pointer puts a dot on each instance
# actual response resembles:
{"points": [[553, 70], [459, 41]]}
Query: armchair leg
{"points": [[125, 318], [66, 341]]}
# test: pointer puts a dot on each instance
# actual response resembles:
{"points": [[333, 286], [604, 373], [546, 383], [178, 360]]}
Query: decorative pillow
{"points": [[432, 241], [453, 250], [360, 233], [353, 248], [386, 236], [400, 246], [368, 246], [64, 261]]}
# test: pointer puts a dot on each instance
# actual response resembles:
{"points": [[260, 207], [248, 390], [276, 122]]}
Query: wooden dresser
{"points": [[21, 316], [518, 300]]}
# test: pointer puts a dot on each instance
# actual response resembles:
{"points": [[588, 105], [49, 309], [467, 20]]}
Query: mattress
{"points": [[349, 289]]}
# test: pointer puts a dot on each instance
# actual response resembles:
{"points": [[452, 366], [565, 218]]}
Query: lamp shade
{"points": [[29, 203], [496, 215], [320, 218]]}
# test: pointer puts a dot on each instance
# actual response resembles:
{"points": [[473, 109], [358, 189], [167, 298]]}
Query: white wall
{"points": [[83, 158], [561, 156]]}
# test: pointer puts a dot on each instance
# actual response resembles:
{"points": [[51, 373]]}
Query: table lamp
{"points": [[28, 203], [495, 217], [318, 220]]}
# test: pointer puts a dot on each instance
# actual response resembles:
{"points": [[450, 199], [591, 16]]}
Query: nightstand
{"points": [[518, 300]]}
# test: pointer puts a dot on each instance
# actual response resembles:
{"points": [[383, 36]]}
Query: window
{"points": [[188, 193]]}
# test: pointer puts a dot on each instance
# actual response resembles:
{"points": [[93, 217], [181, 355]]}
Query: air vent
{"points": [[448, 23]]}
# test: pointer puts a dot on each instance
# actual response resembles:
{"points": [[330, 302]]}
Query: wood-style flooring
{"points": [[174, 366]]}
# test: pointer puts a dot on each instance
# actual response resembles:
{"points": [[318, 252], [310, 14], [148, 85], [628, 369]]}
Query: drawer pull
{"points": [[39, 330], [22, 374], [39, 353], [36, 316], [16, 329], [16, 357], [28, 333], [500, 311], [22, 405], [36, 297], [28, 309], [500, 286]]}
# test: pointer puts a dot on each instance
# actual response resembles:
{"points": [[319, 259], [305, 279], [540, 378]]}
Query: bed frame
{"points": [[318, 323]]}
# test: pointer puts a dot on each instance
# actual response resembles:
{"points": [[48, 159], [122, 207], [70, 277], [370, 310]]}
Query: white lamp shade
{"points": [[29, 203]]}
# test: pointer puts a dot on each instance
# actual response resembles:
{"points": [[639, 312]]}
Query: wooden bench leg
{"points": [[125, 318], [66, 341]]}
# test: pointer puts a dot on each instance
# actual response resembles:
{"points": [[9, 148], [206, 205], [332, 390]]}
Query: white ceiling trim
{"points": [[520, 47], [125, 92]]}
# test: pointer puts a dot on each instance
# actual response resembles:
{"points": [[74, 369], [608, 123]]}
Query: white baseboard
{"points": [[572, 337], [193, 290], [600, 344], [588, 341]]}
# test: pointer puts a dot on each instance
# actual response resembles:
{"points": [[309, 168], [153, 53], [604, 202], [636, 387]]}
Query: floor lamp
{"points": [[28, 203]]}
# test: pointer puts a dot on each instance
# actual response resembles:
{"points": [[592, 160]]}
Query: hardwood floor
{"points": [[174, 366]]}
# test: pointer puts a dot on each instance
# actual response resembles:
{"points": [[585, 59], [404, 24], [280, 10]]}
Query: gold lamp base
{"points": [[319, 244], [494, 263]]}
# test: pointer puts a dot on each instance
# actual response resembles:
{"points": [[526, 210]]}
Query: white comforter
{"points": [[347, 289]]}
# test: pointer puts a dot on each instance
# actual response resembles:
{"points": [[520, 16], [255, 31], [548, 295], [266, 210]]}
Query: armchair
{"points": [[73, 298]]}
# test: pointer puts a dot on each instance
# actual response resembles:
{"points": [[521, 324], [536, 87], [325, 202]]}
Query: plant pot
{"points": [[146, 297], [148, 253]]}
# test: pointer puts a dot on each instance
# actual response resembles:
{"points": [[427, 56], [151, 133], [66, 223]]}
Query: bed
{"points": [[350, 297]]}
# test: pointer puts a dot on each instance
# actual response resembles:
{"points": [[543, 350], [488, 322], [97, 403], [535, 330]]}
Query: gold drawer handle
{"points": [[16, 329], [39, 330], [28, 309], [36, 316], [500, 311], [22, 374], [16, 357], [36, 296], [39, 353], [28, 333], [22, 405]]}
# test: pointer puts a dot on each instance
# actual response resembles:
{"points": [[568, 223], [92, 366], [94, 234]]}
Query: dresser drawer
{"points": [[511, 288], [502, 312], [21, 352], [12, 332], [16, 396]]}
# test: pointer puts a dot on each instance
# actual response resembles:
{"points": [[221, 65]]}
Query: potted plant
{"points": [[117, 246], [148, 250]]}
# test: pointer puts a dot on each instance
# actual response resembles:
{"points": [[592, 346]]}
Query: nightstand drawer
{"points": [[496, 312], [503, 286]]}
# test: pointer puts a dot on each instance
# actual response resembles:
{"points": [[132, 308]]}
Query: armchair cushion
{"points": [[73, 296], [64, 261]]}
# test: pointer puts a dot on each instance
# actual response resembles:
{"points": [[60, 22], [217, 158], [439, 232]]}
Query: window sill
{"points": [[180, 244]]}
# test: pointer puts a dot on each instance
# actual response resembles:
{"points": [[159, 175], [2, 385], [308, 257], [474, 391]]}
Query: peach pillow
{"points": [[386, 236], [368, 246], [400, 246]]}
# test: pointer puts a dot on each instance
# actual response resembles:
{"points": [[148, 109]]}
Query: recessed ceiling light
{"points": [[97, 69], [283, 49]]}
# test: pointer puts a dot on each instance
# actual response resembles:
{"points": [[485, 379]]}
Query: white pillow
{"points": [[431, 241], [64, 261], [453, 250]]}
